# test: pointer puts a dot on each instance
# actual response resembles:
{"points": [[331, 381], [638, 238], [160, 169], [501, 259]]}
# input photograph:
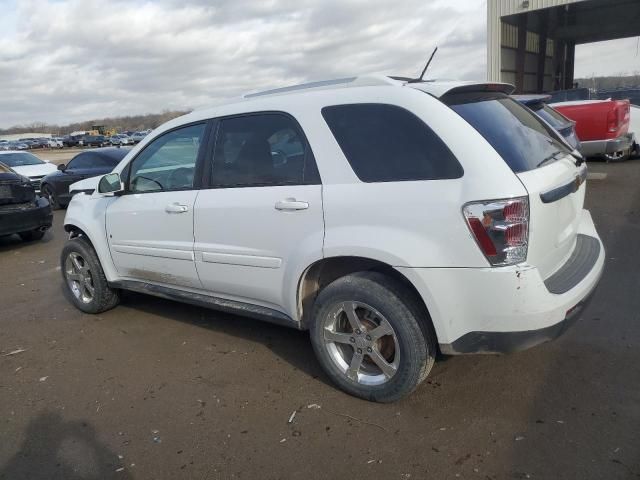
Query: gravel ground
{"points": [[159, 390]]}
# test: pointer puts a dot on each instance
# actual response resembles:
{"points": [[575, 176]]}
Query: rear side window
{"points": [[522, 139], [386, 143], [261, 150]]}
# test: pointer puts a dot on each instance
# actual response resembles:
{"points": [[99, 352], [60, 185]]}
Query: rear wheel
{"points": [[84, 278], [32, 235], [371, 337]]}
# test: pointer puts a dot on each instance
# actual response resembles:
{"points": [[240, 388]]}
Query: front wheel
{"points": [[372, 337], [84, 278], [47, 191]]}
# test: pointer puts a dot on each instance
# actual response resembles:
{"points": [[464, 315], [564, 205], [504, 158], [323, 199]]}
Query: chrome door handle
{"points": [[291, 204], [176, 208]]}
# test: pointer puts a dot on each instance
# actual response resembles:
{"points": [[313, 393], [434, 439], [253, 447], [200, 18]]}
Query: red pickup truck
{"points": [[602, 127]]}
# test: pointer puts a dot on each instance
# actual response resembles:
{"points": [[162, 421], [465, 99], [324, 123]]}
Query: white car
{"points": [[28, 165], [55, 142], [121, 139], [391, 219]]}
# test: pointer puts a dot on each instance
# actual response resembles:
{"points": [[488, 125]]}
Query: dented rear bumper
{"points": [[501, 310]]}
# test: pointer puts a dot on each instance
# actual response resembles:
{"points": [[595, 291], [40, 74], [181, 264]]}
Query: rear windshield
{"points": [[522, 139]]}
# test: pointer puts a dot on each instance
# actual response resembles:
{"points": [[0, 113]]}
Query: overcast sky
{"points": [[68, 60]]}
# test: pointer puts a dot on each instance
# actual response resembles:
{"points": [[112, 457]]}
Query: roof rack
{"points": [[362, 81]]}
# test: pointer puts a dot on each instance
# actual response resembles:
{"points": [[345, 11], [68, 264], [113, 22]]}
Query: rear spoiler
{"points": [[505, 88]]}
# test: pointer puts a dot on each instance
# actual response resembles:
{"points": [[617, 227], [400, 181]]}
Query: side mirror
{"points": [[62, 167], [110, 184]]}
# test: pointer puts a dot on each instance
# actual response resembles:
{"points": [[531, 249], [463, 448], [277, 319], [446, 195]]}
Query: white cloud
{"points": [[77, 59], [70, 60], [614, 57]]}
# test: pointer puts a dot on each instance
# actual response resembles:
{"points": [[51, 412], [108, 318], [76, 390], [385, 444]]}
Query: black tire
{"points": [[47, 191], [102, 298], [412, 333], [621, 156], [32, 235]]}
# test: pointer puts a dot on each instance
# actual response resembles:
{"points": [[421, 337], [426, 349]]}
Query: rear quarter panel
{"points": [[410, 223]]}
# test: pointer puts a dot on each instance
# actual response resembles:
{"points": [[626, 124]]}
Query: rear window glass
{"points": [[522, 139], [554, 118], [386, 143]]}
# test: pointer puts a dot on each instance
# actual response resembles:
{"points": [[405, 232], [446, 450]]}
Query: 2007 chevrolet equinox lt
{"points": [[388, 218]]}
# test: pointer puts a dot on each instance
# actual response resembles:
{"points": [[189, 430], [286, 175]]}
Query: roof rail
{"points": [[362, 81]]}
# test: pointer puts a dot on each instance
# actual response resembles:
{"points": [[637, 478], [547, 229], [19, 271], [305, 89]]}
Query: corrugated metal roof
{"points": [[502, 8]]}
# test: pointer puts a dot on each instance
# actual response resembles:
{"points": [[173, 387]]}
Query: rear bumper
{"points": [[15, 219], [501, 310], [602, 147]]}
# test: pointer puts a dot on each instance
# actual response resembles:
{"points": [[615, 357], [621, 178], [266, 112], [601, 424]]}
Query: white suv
{"points": [[392, 219]]}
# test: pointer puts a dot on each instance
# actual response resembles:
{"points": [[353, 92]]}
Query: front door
{"points": [[260, 220], [150, 227]]}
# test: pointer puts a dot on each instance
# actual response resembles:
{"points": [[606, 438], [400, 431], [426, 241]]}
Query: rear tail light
{"points": [[500, 228], [612, 120]]}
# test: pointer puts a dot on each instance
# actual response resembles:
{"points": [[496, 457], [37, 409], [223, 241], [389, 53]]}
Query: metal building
{"points": [[531, 43]]}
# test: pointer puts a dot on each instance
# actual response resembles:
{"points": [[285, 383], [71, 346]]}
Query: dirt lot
{"points": [[155, 389]]}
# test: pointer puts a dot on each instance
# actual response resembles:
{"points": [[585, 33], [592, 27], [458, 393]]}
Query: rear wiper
{"points": [[553, 156]]}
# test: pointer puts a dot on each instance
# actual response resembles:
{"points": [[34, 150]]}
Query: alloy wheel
{"points": [[79, 277], [361, 343]]}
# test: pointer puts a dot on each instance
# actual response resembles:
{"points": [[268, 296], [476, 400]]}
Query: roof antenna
{"points": [[419, 79]]}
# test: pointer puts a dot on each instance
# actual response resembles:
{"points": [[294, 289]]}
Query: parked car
{"points": [[602, 127], [55, 142], [563, 125], [16, 145], [396, 225], [55, 186], [21, 210], [28, 165], [73, 140], [4, 144], [35, 142], [94, 141], [138, 137], [30, 142], [121, 139]]}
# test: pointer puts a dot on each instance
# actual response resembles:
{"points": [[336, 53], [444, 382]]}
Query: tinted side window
{"points": [[261, 150], [386, 143], [82, 161], [168, 162]]}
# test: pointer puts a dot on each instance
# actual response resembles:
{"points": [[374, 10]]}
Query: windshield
{"points": [[522, 139], [19, 159]]}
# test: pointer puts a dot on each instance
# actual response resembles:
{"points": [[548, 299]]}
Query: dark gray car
{"points": [[87, 164], [559, 122]]}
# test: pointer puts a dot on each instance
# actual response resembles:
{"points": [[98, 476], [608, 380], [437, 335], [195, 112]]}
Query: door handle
{"points": [[176, 208], [291, 204]]}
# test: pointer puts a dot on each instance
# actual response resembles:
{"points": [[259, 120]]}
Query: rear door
{"points": [[543, 162], [261, 214]]}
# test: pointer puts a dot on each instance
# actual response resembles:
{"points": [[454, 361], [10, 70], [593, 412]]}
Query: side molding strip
{"points": [[207, 301]]}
